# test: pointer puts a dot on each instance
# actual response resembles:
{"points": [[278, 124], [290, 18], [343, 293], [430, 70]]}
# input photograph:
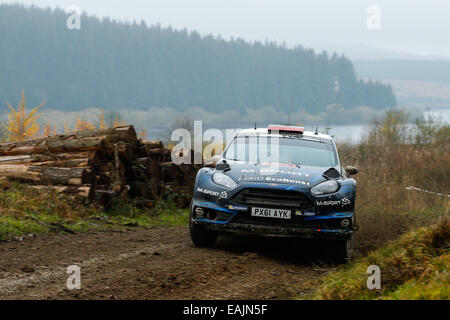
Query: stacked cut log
{"points": [[99, 166]]}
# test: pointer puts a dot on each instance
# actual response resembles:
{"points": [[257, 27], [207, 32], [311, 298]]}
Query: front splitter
{"points": [[283, 231]]}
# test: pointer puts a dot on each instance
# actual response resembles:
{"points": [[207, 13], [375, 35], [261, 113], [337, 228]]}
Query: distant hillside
{"points": [[416, 83], [114, 65], [418, 70]]}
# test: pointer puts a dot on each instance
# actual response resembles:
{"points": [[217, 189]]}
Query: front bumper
{"points": [[222, 219]]}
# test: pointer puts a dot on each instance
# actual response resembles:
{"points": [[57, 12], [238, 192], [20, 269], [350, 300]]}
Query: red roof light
{"points": [[280, 129]]}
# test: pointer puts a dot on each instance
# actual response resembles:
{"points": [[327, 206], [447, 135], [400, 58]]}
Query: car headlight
{"points": [[326, 187], [224, 180]]}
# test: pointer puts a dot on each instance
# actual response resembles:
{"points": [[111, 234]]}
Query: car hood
{"points": [[306, 176]]}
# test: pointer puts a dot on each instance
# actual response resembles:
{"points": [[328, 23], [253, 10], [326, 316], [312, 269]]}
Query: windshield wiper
{"points": [[311, 139]]}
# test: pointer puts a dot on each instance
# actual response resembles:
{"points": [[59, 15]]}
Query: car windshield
{"points": [[263, 149]]}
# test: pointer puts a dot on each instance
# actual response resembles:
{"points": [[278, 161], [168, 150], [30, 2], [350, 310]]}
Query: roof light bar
{"points": [[285, 129]]}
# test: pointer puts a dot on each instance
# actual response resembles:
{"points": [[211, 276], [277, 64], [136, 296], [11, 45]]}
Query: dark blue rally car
{"points": [[277, 181]]}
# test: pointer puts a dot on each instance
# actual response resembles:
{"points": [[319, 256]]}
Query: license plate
{"points": [[271, 213]]}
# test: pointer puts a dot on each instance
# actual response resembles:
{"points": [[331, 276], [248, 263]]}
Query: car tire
{"points": [[343, 250], [202, 237], [199, 235]]}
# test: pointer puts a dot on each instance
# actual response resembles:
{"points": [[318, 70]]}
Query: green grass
{"points": [[413, 267], [165, 213], [24, 211], [435, 288], [10, 226]]}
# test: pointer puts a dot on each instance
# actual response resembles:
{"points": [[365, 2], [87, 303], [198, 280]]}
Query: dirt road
{"points": [[156, 263]]}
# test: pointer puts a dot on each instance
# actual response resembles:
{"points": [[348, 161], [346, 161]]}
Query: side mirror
{"points": [[351, 170], [223, 166]]}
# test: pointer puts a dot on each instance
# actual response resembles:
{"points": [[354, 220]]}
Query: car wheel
{"points": [[199, 235], [343, 250]]}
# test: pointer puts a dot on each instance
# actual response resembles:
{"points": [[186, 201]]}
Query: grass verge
{"points": [[413, 267], [25, 211]]}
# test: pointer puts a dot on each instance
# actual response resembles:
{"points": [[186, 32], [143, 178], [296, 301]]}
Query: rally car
{"points": [[277, 181]]}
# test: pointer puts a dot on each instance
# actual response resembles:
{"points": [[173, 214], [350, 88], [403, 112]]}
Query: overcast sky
{"points": [[410, 26]]}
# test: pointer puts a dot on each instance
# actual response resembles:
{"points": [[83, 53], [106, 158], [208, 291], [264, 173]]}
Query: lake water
{"points": [[444, 114], [354, 133], [342, 133]]}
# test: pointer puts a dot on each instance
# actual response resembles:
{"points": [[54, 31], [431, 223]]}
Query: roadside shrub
{"points": [[19, 201], [392, 129], [385, 207], [412, 267], [426, 129]]}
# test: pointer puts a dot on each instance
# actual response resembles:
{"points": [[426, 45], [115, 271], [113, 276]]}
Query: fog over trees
{"points": [[113, 65]]}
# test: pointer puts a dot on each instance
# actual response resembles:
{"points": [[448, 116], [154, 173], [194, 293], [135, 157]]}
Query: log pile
{"points": [[99, 166]]}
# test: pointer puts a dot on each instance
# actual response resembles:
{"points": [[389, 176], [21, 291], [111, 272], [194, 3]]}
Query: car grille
{"points": [[272, 198]]}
